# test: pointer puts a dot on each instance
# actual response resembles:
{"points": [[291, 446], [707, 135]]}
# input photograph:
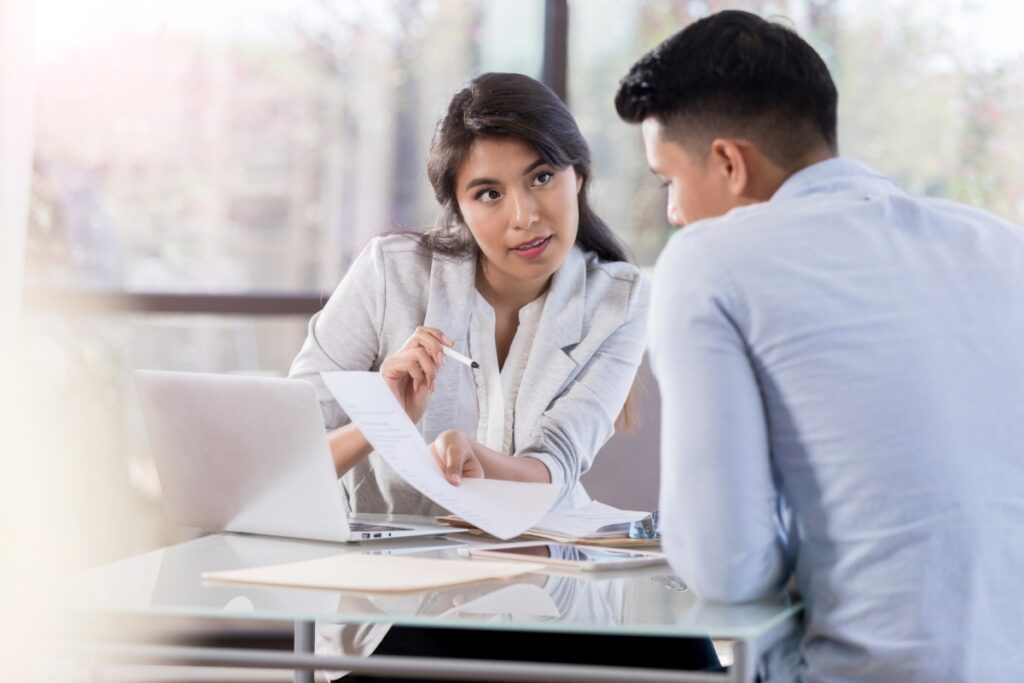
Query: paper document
{"points": [[373, 573], [501, 508], [593, 520], [593, 523]]}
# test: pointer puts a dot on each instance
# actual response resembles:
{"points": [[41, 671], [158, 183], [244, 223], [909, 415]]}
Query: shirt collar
{"points": [[830, 175], [527, 314]]}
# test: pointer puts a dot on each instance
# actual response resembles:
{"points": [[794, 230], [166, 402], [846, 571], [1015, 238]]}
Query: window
{"points": [[251, 146], [241, 146], [931, 93]]}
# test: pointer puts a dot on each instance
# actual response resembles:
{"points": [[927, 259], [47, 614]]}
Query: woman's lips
{"points": [[532, 249]]}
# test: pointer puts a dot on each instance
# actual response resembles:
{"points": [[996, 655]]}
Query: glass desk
{"points": [[646, 601]]}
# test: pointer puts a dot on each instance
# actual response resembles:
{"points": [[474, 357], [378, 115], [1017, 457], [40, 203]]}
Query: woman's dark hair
{"points": [[733, 73], [503, 106]]}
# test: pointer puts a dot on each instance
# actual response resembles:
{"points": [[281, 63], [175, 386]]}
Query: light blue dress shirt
{"points": [[858, 355]]}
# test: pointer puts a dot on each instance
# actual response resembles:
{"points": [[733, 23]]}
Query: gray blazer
{"points": [[588, 346]]}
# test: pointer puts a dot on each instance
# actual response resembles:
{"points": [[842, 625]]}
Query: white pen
{"points": [[455, 355]]}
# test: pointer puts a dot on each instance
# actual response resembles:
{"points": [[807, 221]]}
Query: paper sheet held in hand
{"points": [[501, 508]]}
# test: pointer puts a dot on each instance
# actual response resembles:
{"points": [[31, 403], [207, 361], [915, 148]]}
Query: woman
{"points": [[522, 276]]}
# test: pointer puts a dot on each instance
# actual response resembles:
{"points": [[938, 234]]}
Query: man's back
{"points": [[884, 335]]}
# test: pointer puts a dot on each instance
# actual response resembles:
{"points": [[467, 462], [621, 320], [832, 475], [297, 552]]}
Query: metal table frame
{"points": [[303, 661]]}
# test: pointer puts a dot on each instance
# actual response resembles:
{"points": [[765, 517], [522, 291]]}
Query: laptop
{"points": [[250, 454]]}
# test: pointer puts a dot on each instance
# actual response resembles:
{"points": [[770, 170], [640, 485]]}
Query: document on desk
{"points": [[373, 573], [501, 508], [593, 520], [593, 523]]}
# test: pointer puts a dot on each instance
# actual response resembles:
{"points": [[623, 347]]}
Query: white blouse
{"points": [[487, 411]]}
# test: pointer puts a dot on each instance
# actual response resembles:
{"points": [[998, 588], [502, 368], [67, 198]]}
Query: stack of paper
{"points": [[594, 524], [593, 521], [373, 573], [501, 508]]}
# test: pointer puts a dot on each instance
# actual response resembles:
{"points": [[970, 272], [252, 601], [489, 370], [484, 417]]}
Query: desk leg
{"points": [[747, 653], [744, 663], [305, 633]]}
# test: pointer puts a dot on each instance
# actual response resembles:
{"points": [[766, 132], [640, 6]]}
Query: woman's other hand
{"points": [[454, 454], [411, 372]]}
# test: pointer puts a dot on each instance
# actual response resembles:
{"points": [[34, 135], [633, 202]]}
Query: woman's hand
{"points": [[454, 454], [411, 371]]}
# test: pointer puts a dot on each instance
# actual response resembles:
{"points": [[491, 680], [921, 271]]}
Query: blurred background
{"points": [[202, 173]]}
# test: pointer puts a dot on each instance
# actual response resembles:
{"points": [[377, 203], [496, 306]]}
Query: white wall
{"points": [[22, 493], [15, 159]]}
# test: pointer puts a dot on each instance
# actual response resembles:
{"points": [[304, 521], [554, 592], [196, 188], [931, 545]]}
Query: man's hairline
{"points": [[698, 144]]}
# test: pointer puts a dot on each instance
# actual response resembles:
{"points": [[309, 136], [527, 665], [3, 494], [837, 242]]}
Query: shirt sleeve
{"points": [[346, 333], [718, 499], [582, 418]]}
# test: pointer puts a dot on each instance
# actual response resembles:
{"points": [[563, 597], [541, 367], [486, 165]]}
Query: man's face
{"points": [[697, 188]]}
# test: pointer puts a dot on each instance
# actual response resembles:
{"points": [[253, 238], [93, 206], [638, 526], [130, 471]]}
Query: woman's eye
{"points": [[488, 195], [543, 178]]}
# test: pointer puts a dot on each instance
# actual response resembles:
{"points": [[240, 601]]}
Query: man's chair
{"points": [[625, 472]]}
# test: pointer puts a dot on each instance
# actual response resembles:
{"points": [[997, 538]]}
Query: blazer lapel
{"points": [[452, 283], [549, 366]]}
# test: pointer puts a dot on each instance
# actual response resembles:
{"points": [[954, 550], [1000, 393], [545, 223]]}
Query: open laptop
{"points": [[250, 454]]}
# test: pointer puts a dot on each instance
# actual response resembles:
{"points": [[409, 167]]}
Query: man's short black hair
{"points": [[733, 74]]}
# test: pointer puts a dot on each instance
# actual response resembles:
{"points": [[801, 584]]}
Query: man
{"points": [[831, 348]]}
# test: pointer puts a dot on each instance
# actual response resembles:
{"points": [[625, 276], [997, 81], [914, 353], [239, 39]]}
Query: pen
{"points": [[455, 355]]}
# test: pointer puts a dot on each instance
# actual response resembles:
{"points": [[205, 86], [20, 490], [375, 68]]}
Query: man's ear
{"points": [[728, 157]]}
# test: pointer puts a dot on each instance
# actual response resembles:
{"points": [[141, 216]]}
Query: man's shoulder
{"points": [[738, 248], [719, 239], [955, 210]]}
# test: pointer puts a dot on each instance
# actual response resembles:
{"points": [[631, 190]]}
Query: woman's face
{"points": [[522, 212]]}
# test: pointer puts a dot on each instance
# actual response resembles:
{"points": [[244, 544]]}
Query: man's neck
{"points": [[815, 156]]}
